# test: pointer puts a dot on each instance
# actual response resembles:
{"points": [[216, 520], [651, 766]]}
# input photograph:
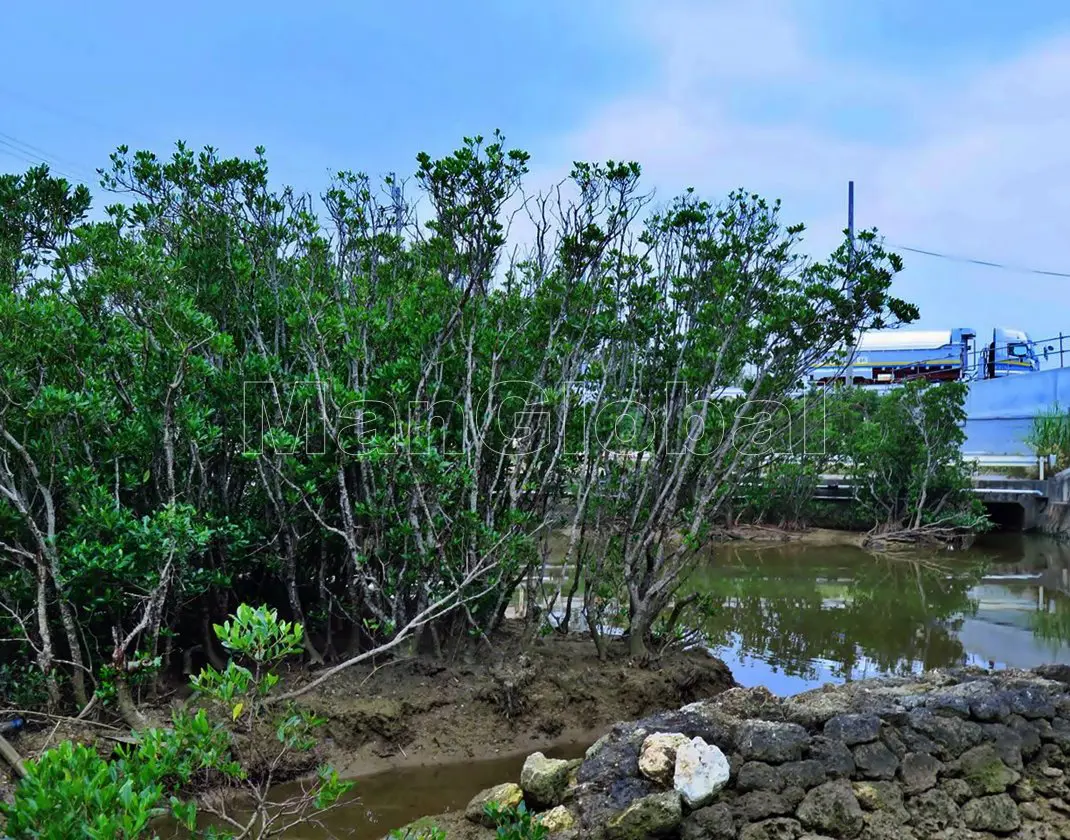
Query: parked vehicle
{"points": [[884, 357]]}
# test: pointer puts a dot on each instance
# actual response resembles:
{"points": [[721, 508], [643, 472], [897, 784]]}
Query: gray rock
{"points": [[881, 796], [1057, 673], [914, 741], [544, 780], [993, 706], [793, 795], [1023, 791], [804, 774], [1031, 702], [1060, 733], [918, 772], [713, 822], [948, 702], [853, 729], [952, 735], [812, 708], [747, 703], [876, 761], [614, 756], [759, 805], [1008, 743], [1036, 831], [992, 813], [778, 828], [834, 756], [979, 698], [832, 808], [932, 811], [771, 742], [757, 775], [1028, 733], [884, 825], [890, 738], [984, 771], [957, 790], [656, 815], [704, 719]]}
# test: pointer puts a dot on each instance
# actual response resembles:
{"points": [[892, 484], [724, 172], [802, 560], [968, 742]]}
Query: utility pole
{"points": [[851, 265], [399, 209], [399, 212], [851, 222]]}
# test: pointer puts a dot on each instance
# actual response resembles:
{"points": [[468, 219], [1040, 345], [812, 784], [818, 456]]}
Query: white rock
{"points": [[701, 771], [657, 758]]}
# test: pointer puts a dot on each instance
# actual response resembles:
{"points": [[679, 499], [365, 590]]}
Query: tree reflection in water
{"points": [[793, 605]]}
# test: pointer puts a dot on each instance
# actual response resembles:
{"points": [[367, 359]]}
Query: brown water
{"points": [[793, 616], [388, 800]]}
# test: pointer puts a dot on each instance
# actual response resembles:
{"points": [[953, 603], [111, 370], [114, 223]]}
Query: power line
{"points": [[51, 107], [985, 263], [22, 152], [37, 151]]}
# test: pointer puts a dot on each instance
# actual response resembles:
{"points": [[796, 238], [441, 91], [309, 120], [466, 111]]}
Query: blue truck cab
{"points": [[1010, 352]]}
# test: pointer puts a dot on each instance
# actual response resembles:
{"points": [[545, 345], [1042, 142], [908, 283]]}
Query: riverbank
{"points": [[512, 696], [961, 755], [803, 536]]}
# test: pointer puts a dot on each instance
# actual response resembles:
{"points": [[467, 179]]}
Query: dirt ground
{"points": [[510, 698]]}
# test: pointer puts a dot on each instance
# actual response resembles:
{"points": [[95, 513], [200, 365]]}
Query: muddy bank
{"points": [[512, 697], [807, 536], [945, 756]]}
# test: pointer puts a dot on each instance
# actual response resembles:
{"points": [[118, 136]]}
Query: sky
{"points": [[951, 116]]}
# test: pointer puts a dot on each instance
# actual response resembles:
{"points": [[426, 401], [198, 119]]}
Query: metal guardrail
{"points": [[985, 459]]}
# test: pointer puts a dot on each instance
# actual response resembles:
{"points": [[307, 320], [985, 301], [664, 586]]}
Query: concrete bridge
{"points": [[999, 419], [1015, 504]]}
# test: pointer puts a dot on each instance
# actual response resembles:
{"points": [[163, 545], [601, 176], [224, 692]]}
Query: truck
{"points": [[885, 357]]}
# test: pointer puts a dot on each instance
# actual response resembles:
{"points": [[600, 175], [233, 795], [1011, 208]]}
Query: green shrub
{"points": [[73, 792], [430, 832], [515, 823], [1050, 435]]}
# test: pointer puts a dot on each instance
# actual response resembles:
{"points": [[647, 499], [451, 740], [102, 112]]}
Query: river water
{"points": [[791, 616]]}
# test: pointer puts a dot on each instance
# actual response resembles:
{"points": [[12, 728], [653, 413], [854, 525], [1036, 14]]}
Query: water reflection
{"points": [[793, 616]]}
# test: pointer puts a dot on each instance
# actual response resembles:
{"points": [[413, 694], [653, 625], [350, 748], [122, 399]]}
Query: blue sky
{"points": [[952, 117]]}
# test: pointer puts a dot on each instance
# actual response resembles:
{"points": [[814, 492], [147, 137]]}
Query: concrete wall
{"points": [[1000, 412]]}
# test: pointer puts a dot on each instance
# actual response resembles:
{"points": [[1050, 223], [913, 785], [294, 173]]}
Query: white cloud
{"points": [[978, 163], [700, 40]]}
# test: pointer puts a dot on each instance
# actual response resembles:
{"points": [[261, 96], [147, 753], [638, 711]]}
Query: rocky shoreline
{"points": [[948, 755]]}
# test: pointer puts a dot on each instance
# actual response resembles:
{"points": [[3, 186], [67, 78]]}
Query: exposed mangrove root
{"points": [[924, 536]]}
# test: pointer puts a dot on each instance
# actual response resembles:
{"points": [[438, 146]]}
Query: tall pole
{"points": [[395, 197], [851, 221], [851, 264]]}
